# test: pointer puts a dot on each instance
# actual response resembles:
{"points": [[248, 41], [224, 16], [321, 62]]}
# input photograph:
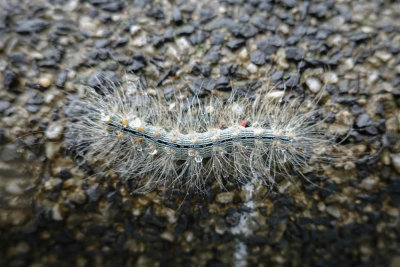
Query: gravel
{"points": [[60, 210]]}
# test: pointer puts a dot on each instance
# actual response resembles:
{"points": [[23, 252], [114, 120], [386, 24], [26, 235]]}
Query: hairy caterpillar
{"points": [[138, 133]]}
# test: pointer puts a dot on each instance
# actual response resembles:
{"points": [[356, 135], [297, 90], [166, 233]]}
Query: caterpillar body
{"points": [[141, 135]]}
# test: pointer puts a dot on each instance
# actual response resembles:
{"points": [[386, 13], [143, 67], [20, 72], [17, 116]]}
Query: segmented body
{"points": [[202, 145]]}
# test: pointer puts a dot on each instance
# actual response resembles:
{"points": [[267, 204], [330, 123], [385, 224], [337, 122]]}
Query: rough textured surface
{"points": [[54, 213]]}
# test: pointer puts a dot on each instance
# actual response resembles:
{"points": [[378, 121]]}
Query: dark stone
{"points": [[64, 28], [247, 9], [155, 61], [277, 76], [177, 15], [203, 69], [51, 58], [105, 18], [293, 80], [3, 139], [17, 58], [346, 100], [9, 152], [371, 130], [236, 43], [4, 105], [198, 86], [206, 15], [102, 54], [149, 218], [321, 62], [169, 73], [102, 43], [181, 225], [94, 193], [344, 86], [241, 73], [32, 108], [311, 31], [319, 10], [223, 83], [217, 38], [294, 53], [363, 121], [169, 92], [30, 25], [10, 79], [258, 57], [322, 34], [61, 78], [228, 69], [389, 139], [344, 11], [101, 79], [232, 217], [247, 31], [260, 23], [135, 66], [278, 216], [65, 174], [139, 56], [185, 30], [356, 110], [393, 188], [212, 56], [47, 63], [158, 41], [120, 42], [34, 98], [223, 23], [293, 39], [4, 19], [331, 89], [253, 85], [358, 36], [156, 12], [330, 118], [299, 31], [267, 48], [197, 38], [169, 34], [276, 40], [111, 6], [120, 58], [394, 185], [289, 3]]}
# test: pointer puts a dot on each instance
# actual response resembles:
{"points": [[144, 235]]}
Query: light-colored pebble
{"points": [[313, 84], [45, 81], [333, 211], [225, 197], [331, 78], [54, 131], [252, 68], [396, 161]]}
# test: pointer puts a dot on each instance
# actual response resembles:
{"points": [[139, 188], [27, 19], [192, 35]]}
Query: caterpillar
{"points": [[141, 135]]}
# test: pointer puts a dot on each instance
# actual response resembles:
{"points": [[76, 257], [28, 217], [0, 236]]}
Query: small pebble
{"points": [[396, 161], [45, 82], [313, 84], [54, 131], [225, 197]]}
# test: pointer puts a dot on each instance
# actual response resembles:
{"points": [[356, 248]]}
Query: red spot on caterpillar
{"points": [[243, 123]]}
